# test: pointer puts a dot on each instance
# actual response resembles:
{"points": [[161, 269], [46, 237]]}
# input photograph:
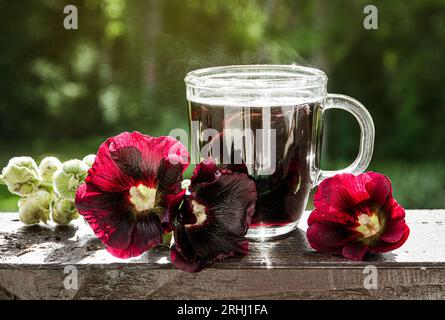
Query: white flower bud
{"points": [[35, 207], [47, 167], [21, 176], [89, 160], [63, 211], [69, 177], [185, 183]]}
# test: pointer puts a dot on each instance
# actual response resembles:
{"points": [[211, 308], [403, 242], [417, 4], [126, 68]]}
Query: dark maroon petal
{"points": [[114, 222], [354, 251], [192, 252], [329, 237], [184, 264], [204, 173], [229, 199], [181, 210]]}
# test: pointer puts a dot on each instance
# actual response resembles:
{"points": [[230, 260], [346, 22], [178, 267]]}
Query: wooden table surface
{"points": [[35, 263]]}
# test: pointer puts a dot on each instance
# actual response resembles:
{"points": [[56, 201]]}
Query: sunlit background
{"points": [[62, 92]]}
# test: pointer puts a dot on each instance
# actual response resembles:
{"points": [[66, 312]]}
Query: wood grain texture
{"points": [[32, 262]]}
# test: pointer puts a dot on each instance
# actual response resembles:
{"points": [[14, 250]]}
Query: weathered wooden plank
{"points": [[32, 262]]}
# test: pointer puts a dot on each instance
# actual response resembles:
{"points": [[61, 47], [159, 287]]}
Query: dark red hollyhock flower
{"points": [[355, 215], [212, 218], [128, 189]]}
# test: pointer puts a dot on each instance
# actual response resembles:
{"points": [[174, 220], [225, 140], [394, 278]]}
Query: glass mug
{"points": [[267, 120]]}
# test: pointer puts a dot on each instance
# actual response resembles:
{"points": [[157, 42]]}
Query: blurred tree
{"points": [[64, 91]]}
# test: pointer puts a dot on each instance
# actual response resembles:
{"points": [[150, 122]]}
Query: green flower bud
{"points": [[47, 167], [63, 211], [89, 160], [35, 207], [21, 176], [69, 177]]}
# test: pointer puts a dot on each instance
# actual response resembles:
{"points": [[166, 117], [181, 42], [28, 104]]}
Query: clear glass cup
{"points": [[267, 120]]}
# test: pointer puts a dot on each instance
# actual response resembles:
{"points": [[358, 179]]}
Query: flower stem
{"points": [[167, 239]]}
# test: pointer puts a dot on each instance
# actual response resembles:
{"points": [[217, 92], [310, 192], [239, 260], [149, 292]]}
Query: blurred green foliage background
{"points": [[62, 92]]}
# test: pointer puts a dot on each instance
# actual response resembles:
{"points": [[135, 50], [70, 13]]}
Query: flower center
{"points": [[142, 197], [369, 225], [200, 212]]}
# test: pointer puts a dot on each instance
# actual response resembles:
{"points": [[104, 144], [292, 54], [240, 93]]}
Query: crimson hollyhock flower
{"points": [[128, 189], [355, 215], [211, 219]]}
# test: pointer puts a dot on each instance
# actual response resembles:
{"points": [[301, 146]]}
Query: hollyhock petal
{"points": [[340, 217], [229, 202], [169, 177], [397, 212], [183, 264], [354, 251], [378, 187], [383, 246], [106, 213], [393, 209], [130, 252], [106, 174], [230, 196], [152, 149], [126, 159], [181, 210], [394, 231], [340, 192], [146, 233], [129, 161], [204, 173], [328, 237], [113, 222]]}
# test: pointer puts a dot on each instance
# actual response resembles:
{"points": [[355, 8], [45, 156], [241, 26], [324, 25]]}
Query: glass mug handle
{"points": [[367, 132]]}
